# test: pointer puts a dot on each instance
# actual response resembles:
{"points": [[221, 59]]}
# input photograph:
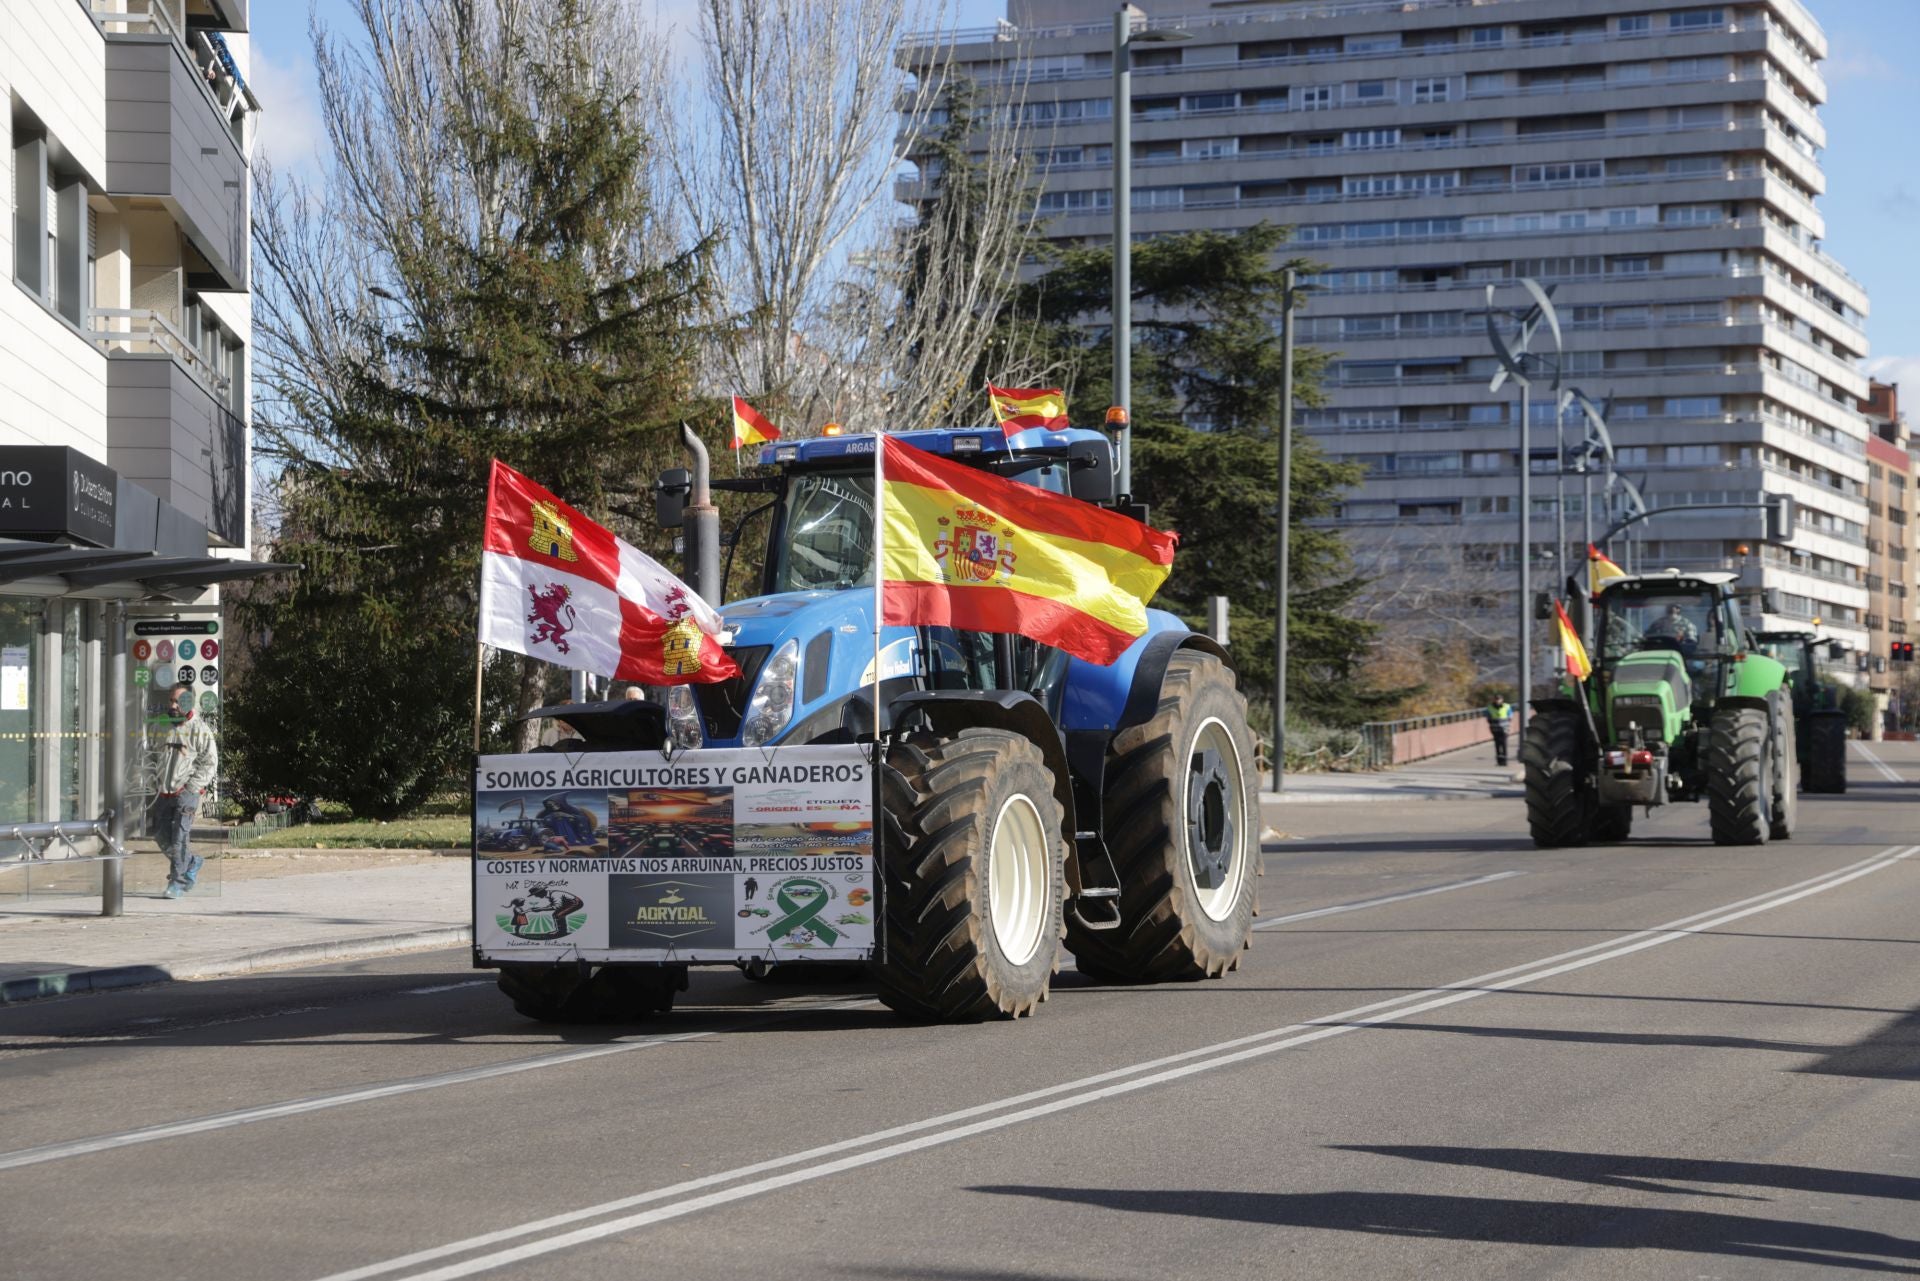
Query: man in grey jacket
{"points": [[188, 761]]}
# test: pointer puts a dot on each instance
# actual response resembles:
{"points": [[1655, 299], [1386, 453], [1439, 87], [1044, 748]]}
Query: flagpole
{"points": [[479, 689], [879, 589]]}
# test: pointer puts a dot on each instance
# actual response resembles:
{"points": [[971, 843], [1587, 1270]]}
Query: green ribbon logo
{"points": [[804, 911]]}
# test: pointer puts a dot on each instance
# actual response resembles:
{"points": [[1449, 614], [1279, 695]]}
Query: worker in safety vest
{"points": [[1500, 721]]}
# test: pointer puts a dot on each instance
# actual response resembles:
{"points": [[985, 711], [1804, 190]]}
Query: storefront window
{"points": [[19, 630], [75, 699]]}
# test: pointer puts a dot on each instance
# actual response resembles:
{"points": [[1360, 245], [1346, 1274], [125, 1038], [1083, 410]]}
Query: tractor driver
{"points": [[1674, 625]]}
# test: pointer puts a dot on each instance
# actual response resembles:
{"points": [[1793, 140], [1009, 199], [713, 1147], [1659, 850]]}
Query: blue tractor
{"points": [[1031, 800]]}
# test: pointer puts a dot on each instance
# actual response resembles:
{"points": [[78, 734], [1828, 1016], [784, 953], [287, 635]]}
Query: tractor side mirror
{"points": [[1542, 606], [1090, 471], [1770, 600], [670, 496], [1836, 652]]}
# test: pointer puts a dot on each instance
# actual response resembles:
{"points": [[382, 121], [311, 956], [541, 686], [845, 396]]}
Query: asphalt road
{"points": [[1448, 1055]]}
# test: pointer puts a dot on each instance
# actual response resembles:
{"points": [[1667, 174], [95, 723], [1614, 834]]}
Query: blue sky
{"points": [[1873, 181]]}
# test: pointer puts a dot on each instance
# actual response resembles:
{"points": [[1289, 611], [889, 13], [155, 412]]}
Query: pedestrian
{"points": [[633, 694], [189, 760], [1500, 721]]}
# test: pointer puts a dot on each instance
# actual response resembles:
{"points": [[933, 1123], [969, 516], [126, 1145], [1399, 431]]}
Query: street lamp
{"points": [[1520, 363], [1121, 415]]}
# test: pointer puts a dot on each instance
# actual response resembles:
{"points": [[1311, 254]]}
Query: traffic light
{"points": [[1902, 651]]}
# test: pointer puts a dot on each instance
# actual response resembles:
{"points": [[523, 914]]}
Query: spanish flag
{"points": [[1600, 569], [967, 549], [750, 426], [1017, 411], [1579, 666]]}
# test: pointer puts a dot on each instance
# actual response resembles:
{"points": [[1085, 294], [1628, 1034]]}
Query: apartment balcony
{"points": [[179, 120], [169, 431]]}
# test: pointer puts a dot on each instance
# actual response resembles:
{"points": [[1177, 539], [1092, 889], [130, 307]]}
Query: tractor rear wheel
{"points": [[1182, 822], [1826, 752], [1560, 797], [1740, 777], [1786, 776], [566, 993], [975, 869], [1613, 823]]}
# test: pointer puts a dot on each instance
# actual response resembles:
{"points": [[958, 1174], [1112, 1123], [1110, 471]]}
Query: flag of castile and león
{"points": [[559, 587], [970, 550]]}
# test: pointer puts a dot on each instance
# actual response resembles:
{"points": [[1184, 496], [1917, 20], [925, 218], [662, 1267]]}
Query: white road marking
{"points": [[1276, 922], [446, 987], [323, 1102], [1886, 770], [1071, 1094]]}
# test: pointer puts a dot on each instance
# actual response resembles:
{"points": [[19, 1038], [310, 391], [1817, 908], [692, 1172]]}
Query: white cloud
{"points": [[1846, 61], [290, 131], [1902, 371]]}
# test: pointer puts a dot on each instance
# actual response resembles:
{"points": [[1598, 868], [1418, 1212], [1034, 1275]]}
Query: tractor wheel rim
{"points": [[1018, 884], [1217, 840]]}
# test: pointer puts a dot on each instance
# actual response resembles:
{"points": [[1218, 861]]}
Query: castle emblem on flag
{"points": [[552, 616], [680, 647], [552, 534], [972, 549]]}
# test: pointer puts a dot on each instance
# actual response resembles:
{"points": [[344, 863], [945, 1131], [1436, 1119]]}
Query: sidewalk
{"points": [[1468, 774], [53, 946]]}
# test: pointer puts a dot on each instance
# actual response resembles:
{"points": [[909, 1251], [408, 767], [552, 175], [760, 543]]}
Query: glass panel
{"points": [[19, 628], [73, 714]]}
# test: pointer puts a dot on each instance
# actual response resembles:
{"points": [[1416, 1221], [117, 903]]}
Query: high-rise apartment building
{"points": [[1658, 163], [1893, 554], [124, 325]]}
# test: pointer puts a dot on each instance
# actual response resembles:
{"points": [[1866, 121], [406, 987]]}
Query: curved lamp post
{"points": [[1523, 365]]}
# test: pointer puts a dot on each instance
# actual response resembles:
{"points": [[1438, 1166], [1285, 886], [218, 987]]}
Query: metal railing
{"points": [[65, 835], [1389, 743], [148, 330], [206, 52]]}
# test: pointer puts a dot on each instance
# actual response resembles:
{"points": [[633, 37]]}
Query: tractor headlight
{"points": [[683, 716], [771, 706]]}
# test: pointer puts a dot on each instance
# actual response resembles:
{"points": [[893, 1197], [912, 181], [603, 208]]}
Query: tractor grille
{"points": [[1642, 712], [723, 703]]}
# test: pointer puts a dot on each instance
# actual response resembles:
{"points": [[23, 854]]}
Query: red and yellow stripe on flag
{"points": [[1579, 666], [967, 549], [1600, 569], [1019, 410], [750, 426]]}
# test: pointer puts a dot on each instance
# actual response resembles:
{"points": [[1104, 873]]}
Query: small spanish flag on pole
{"points": [[1020, 410], [1600, 569], [750, 426], [1579, 666]]}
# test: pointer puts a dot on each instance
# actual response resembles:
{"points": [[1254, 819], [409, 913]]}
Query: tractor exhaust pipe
{"points": [[700, 526]]}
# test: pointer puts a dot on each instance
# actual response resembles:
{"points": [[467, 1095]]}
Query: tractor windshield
{"points": [[1687, 622], [826, 540]]}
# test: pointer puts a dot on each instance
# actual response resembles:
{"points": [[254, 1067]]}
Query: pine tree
{"points": [[526, 318], [1207, 351]]}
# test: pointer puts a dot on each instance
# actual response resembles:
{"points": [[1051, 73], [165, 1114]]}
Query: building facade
{"points": [[1658, 164], [124, 444], [1893, 516]]}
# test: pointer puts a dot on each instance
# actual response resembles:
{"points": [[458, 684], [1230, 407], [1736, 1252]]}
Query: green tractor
{"points": [[1678, 708], [1819, 724]]}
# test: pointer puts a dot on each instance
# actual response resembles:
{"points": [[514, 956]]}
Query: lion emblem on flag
{"points": [[552, 616], [973, 551]]}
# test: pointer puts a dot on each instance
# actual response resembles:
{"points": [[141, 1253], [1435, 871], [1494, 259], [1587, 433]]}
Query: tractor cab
{"points": [[1792, 648]]}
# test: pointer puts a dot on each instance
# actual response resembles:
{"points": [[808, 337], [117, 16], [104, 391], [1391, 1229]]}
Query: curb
{"points": [[1356, 797], [37, 987]]}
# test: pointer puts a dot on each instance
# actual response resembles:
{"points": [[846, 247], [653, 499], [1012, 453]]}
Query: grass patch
{"points": [[441, 833]]}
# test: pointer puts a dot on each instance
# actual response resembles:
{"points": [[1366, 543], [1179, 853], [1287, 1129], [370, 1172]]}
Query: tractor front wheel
{"points": [[1740, 777], [566, 993], [1182, 820], [975, 869], [1560, 796]]}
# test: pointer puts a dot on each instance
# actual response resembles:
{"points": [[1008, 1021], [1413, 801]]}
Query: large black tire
{"points": [[1182, 822], [1739, 777], [1559, 770], [952, 808], [1785, 808], [1826, 752], [1612, 822], [567, 993]]}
